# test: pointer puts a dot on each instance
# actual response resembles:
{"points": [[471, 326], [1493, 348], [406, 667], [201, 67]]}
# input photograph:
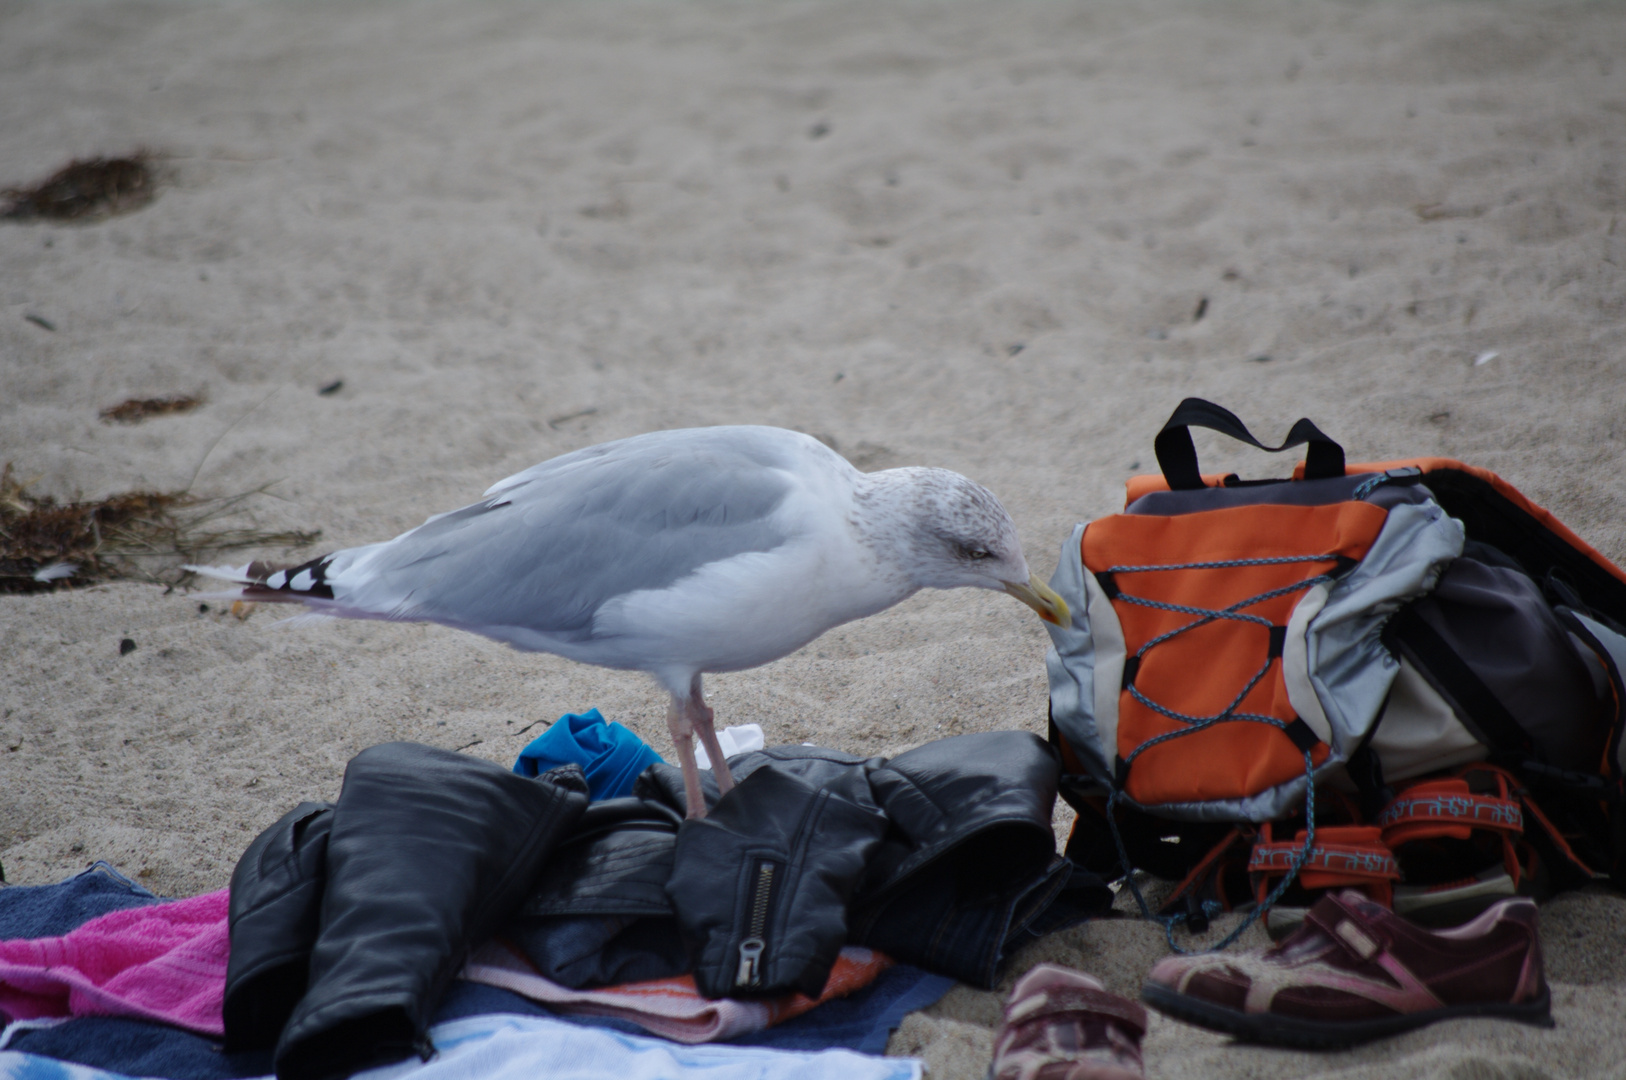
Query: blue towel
{"points": [[140, 1048], [610, 754], [52, 910]]}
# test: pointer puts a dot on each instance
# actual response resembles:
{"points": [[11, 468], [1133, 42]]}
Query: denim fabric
{"points": [[586, 951], [936, 922]]}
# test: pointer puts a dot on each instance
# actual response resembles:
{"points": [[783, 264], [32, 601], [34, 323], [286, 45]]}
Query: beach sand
{"points": [[1001, 237]]}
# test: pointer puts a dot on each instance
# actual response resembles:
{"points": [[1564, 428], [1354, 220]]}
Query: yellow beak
{"points": [[1041, 598]]}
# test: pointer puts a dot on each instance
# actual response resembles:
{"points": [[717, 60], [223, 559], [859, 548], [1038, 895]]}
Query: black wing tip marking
{"points": [[280, 583]]}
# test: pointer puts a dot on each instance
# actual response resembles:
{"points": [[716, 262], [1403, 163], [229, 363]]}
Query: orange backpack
{"points": [[1238, 645]]}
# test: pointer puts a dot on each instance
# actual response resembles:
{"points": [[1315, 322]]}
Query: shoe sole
{"points": [[1327, 1034]]}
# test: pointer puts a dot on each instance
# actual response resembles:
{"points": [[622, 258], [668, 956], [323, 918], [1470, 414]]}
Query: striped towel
{"points": [[671, 1008]]}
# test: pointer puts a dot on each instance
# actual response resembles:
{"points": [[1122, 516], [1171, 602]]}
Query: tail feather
{"points": [[239, 574], [266, 582]]}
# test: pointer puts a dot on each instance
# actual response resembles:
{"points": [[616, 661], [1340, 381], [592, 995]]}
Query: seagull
{"points": [[678, 553]]}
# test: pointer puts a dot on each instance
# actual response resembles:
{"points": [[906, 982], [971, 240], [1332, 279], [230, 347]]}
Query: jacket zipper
{"points": [[750, 973]]}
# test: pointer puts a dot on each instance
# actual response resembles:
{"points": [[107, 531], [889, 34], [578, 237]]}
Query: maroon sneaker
{"points": [[1357, 971], [1060, 1024]]}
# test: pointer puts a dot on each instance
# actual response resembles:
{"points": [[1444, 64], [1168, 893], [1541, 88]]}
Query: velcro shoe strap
{"points": [[1345, 924], [1069, 1000]]}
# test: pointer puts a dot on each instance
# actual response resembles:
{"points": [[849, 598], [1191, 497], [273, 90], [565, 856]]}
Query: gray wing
{"points": [[557, 541]]}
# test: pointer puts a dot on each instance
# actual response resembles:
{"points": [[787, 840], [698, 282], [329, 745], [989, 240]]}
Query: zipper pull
{"points": [[750, 956], [750, 973]]}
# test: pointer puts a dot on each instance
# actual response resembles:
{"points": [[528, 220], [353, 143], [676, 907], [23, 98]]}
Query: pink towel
{"points": [[165, 962]]}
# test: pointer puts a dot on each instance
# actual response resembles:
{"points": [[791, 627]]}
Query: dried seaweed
{"points": [[138, 409], [90, 188], [137, 535]]}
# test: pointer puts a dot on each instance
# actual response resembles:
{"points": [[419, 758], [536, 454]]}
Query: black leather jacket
{"points": [[942, 857], [349, 920]]}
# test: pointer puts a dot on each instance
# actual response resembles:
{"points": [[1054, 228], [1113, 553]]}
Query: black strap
{"points": [[1177, 454], [1302, 734], [1373, 793], [1434, 655]]}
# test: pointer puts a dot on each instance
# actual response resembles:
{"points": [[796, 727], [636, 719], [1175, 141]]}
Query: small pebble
{"points": [[126, 646]]}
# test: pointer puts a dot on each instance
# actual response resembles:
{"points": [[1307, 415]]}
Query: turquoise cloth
{"points": [[611, 755]]}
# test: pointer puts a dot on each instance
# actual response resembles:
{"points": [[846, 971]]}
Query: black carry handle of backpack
{"points": [[1177, 455]]}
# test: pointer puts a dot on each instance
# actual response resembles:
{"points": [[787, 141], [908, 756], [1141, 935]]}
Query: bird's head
{"points": [[960, 536]]}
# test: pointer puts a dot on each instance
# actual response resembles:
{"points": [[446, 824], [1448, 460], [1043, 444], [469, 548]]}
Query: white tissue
{"points": [[733, 740]]}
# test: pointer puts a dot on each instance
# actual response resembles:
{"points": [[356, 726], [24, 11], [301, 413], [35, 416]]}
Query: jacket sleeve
{"points": [[276, 901], [428, 853]]}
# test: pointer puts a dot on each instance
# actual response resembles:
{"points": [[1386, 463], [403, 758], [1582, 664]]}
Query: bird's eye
{"points": [[977, 553]]}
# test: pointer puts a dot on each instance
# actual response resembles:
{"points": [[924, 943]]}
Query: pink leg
{"points": [[700, 717], [682, 729]]}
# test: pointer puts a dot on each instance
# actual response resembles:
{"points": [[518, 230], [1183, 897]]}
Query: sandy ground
{"points": [[968, 234]]}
